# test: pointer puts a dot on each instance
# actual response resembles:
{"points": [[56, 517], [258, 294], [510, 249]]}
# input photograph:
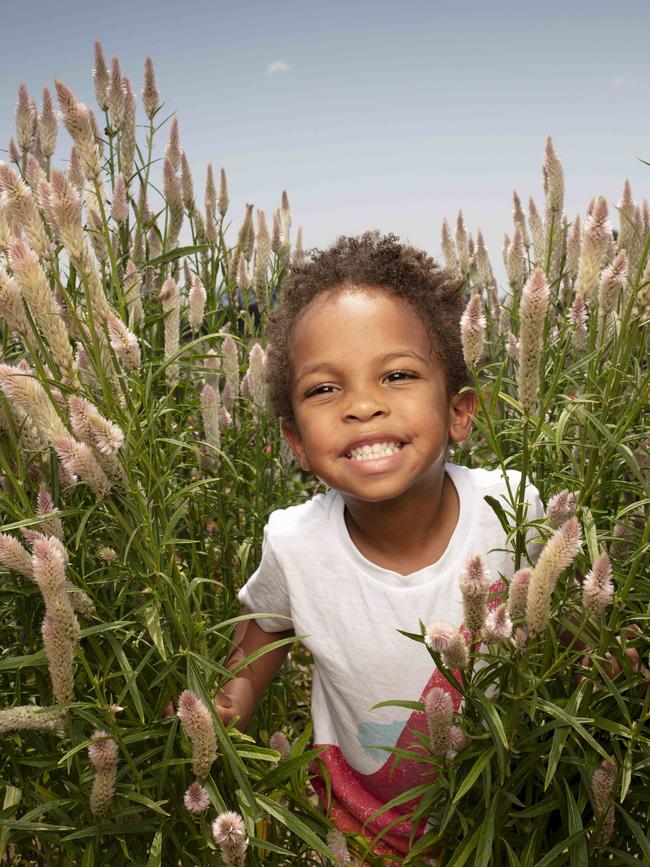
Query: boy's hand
{"points": [[612, 667], [226, 708]]}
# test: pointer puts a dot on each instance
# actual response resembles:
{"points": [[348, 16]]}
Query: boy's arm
{"points": [[239, 697]]}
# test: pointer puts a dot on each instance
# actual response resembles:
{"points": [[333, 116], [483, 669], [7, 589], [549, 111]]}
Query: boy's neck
{"points": [[408, 534]]}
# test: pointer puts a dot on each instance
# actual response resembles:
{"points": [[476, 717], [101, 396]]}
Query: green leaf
{"points": [[578, 851], [557, 745], [177, 253], [462, 853], [473, 774], [486, 837], [496, 728], [641, 838], [155, 853], [152, 619], [590, 533], [549, 859], [295, 825], [499, 511]]}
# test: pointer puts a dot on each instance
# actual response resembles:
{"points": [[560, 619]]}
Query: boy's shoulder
{"points": [[299, 518], [483, 479], [478, 483]]}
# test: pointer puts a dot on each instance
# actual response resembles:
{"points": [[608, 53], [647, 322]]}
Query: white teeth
{"points": [[376, 450]]}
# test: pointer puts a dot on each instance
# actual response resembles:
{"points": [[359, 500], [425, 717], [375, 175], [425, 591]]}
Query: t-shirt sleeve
{"points": [[266, 591]]}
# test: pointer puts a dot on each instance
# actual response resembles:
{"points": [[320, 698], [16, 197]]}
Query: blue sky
{"points": [[371, 114]]}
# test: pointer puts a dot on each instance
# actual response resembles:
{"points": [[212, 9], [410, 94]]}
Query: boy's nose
{"points": [[364, 406]]}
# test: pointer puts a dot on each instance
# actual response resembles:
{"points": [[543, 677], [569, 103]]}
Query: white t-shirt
{"points": [[348, 610]]}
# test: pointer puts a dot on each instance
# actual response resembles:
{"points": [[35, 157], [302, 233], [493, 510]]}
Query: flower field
{"points": [[139, 464]]}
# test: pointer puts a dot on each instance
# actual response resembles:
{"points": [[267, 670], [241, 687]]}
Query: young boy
{"points": [[366, 370]]}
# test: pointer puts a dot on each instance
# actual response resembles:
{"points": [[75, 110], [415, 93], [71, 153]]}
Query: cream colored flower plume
{"points": [[556, 556], [472, 330], [532, 314]]}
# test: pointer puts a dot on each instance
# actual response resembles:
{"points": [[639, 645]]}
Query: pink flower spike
{"points": [[498, 625], [439, 635], [196, 799], [598, 588]]}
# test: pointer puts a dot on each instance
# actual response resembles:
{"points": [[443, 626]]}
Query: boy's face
{"points": [[372, 415]]}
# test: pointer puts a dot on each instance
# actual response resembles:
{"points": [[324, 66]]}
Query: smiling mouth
{"points": [[374, 451]]}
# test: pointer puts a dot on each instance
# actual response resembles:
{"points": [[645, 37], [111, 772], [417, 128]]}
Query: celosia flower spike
{"points": [[256, 382], [462, 244], [170, 300], [14, 557], [519, 217], [336, 841], [116, 95], [553, 188], [45, 506], [210, 192], [197, 299], [456, 654], [47, 125], [59, 650], [298, 256], [516, 263], [229, 834], [558, 553], [30, 717], [602, 787], [124, 342], [534, 303], [187, 185], [598, 588], [537, 232], [231, 368], [196, 799], [474, 587], [127, 139], [612, 281], [120, 204], [448, 248], [578, 319], [101, 77], [198, 726], [23, 389], [79, 460], [518, 592], [25, 116], [22, 210], [596, 235], [12, 308], [102, 753], [150, 95], [498, 625], [279, 741], [472, 330], [210, 406], [439, 713], [49, 561], [223, 200], [439, 635], [561, 507]]}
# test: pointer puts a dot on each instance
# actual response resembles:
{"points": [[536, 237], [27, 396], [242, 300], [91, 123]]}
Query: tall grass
{"points": [[138, 466]]}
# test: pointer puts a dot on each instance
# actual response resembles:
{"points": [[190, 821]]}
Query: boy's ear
{"points": [[462, 409], [293, 438]]}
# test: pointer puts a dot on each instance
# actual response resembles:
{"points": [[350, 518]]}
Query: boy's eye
{"points": [[320, 389], [399, 375]]}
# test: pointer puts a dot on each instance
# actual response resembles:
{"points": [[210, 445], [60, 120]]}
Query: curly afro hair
{"points": [[370, 260]]}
